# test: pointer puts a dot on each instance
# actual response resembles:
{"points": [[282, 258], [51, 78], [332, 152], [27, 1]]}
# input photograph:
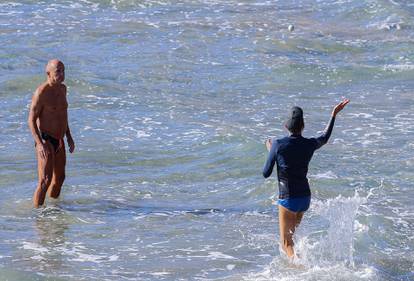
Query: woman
{"points": [[292, 155]]}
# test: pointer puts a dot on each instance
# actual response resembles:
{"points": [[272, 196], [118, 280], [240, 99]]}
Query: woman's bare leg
{"points": [[287, 225], [299, 216]]}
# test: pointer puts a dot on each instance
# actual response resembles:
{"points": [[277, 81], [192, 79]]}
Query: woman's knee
{"points": [[287, 239]]}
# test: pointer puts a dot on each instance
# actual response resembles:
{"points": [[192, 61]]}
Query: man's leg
{"points": [[58, 173], [287, 223], [45, 172]]}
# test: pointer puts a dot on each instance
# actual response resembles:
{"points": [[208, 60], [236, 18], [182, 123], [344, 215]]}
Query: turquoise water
{"points": [[170, 102]]}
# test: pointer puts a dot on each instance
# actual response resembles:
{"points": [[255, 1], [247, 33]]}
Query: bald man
{"points": [[48, 122]]}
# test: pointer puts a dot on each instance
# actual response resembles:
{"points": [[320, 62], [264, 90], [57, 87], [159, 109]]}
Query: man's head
{"points": [[55, 70], [295, 123]]}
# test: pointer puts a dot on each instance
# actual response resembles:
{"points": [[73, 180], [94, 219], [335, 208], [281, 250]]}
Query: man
{"points": [[48, 122], [292, 155]]}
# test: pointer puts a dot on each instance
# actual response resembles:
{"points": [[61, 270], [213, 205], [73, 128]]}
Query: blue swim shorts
{"points": [[298, 204]]}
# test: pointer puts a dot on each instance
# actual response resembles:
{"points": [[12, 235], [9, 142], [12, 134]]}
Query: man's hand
{"points": [[268, 144], [71, 144], [339, 107], [43, 150]]}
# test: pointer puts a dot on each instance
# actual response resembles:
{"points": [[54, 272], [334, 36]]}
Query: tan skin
{"points": [[288, 220], [49, 114]]}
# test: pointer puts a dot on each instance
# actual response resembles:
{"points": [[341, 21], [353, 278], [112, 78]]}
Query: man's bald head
{"points": [[53, 65], [55, 70]]}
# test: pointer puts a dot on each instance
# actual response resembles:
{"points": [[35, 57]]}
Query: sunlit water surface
{"points": [[170, 102]]}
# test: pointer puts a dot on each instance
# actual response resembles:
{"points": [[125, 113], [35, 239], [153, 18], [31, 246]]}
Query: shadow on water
{"points": [[104, 206]]}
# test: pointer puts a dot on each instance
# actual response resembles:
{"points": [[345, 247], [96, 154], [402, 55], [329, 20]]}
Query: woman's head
{"points": [[295, 123]]}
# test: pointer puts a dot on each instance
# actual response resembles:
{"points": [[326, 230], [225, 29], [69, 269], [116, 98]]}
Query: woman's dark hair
{"points": [[295, 123]]}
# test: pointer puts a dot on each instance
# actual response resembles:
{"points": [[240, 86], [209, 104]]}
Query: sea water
{"points": [[169, 105]]}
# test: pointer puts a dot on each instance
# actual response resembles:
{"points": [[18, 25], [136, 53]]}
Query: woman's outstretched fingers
{"points": [[340, 106]]}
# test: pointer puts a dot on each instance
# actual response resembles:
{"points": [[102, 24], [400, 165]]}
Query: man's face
{"points": [[57, 73]]}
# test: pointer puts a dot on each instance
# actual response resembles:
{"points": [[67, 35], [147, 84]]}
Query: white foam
{"points": [[399, 67], [214, 255], [89, 258], [113, 258], [160, 273], [361, 115], [147, 196], [335, 244], [360, 228], [219, 255], [327, 253], [142, 134], [230, 266], [37, 258], [34, 247], [326, 273], [391, 22], [326, 175]]}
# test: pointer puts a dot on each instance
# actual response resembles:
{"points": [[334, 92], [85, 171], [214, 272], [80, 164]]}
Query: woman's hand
{"points": [[339, 107], [268, 144]]}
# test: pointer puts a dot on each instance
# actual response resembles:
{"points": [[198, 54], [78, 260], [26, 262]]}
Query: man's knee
{"points": [[59, 180], [45, 182], [54, 192]]}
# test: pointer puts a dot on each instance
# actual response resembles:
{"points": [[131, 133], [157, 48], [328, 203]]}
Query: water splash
{"points": [[335, 243], [325, 253]]}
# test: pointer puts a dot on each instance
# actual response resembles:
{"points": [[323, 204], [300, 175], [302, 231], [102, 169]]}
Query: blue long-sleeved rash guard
{"points": [[292, 155]]}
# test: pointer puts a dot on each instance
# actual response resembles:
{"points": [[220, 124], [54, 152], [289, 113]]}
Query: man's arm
{"points": [[69, 138], [35, 111]]}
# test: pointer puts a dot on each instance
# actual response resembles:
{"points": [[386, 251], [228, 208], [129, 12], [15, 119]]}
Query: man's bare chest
{"points": [[55, 102]]}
